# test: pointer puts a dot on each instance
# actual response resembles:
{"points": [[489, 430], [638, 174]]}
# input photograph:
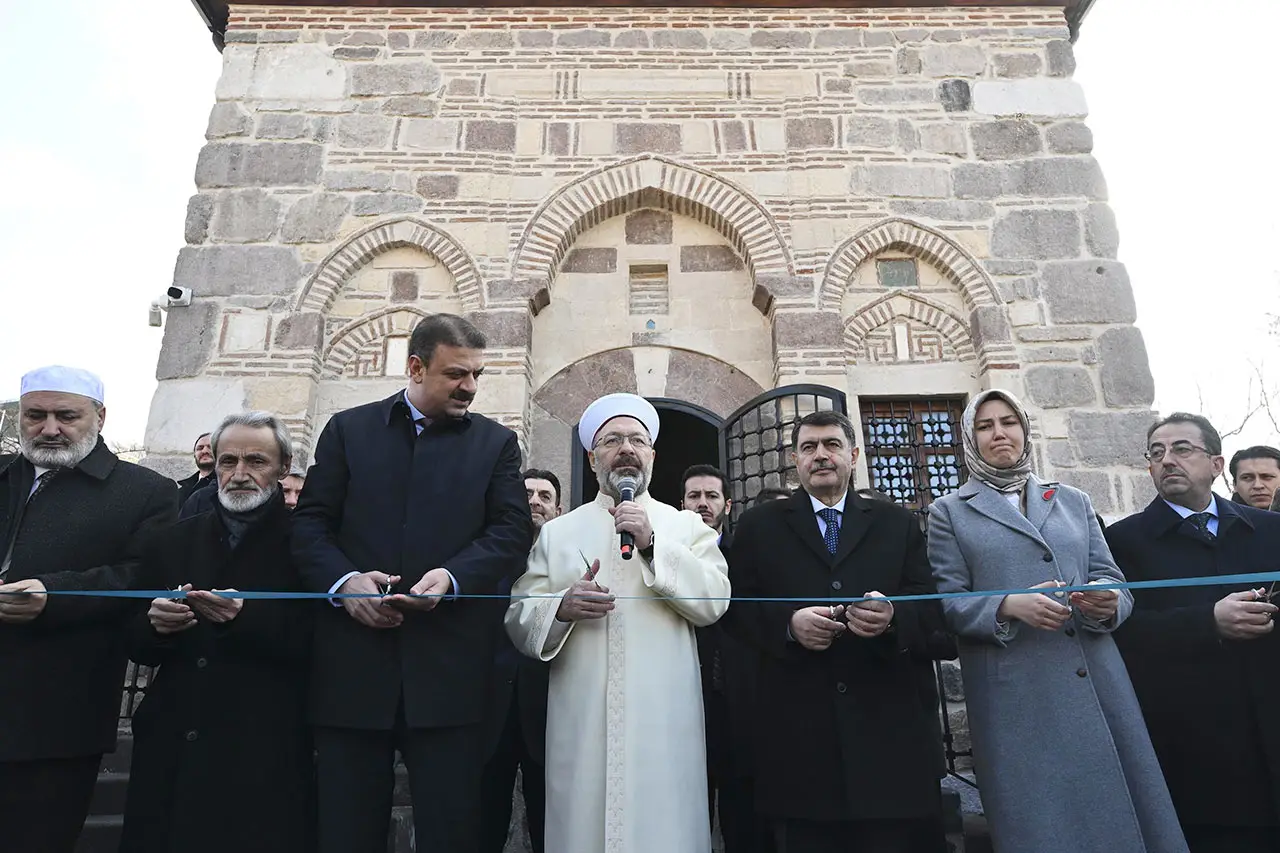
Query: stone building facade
{"points": [[698, 205]]}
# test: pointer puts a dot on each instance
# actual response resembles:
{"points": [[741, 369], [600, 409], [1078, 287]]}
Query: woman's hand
{"points": [[1100, 606], [1035, 609]]}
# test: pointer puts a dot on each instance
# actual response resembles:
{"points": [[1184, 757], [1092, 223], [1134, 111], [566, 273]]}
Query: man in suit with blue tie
{"points": [[1203, 659], [412, 494], [847, 752]]}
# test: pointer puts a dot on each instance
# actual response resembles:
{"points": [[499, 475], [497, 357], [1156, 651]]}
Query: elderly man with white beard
{"points": [[73, 517], [625, 751], [223, 728]]}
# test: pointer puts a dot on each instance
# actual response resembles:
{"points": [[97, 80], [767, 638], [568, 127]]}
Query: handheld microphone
{"points": [[627, 491]]}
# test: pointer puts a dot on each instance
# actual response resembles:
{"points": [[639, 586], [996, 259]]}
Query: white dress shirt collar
{"points": [[417, 416], [1212, 509], [819, 506]]}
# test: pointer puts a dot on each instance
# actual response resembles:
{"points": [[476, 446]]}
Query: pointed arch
{"points": [[650, 180], [351, 339], [363, 246], [903, 304], [916, 240]]}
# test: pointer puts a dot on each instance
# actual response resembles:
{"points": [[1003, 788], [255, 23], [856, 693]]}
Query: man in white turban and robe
{"points": [[625, 755]]}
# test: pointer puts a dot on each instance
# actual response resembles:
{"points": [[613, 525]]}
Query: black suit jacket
{"points": [[63, 673], [1212, 706], [521, 680], [241, 686], [381, 498], [847, 733], [729, 671], [189, 486]]}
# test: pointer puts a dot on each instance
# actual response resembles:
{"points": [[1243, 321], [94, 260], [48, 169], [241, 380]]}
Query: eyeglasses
{"points": [[1180, 450], [613, 441]]}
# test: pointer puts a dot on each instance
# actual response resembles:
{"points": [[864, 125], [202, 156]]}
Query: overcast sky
{"points": [[105, 106]]}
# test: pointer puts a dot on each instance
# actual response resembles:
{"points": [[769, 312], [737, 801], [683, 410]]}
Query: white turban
{"points": [[613, 406], [64, 380]]}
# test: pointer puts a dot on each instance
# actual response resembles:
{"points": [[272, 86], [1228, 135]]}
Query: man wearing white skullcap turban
{"points": [[625, 697], [73, 517]]}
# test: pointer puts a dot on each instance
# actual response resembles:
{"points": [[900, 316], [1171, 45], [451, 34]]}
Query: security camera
{"points": [[179, 297]]}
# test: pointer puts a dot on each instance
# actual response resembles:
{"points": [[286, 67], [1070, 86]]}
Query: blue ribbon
{"points": [[1244, 581]]}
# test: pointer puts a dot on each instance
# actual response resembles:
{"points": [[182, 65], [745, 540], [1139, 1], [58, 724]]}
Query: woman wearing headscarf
{"points": [[1062, 755]]}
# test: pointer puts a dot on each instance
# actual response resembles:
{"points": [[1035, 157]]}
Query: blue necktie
{"points": [[832, 535]]}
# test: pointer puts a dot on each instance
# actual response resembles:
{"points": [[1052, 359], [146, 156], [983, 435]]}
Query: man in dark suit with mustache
{"points": [[847, 751], [412, 494]]}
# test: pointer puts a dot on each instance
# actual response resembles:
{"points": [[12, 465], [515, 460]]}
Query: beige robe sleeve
{"points": [[531, 619], [689, 571]]}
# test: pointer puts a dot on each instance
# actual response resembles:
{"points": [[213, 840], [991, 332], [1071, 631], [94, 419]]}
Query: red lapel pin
{"points": [[1048, 493]]}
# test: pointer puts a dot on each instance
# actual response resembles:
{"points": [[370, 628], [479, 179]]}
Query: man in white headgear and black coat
{"points": [[73, 517], [625, 751]]}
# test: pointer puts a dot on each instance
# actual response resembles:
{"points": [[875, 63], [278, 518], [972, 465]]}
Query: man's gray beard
{"points": [[60, 457], [609, 480], [245, 501]]}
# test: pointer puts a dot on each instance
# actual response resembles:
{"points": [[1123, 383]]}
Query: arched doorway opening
{"points": [[689, 436]]}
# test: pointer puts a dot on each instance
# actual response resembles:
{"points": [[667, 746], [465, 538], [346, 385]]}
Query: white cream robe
{"points": [[625, 759]]}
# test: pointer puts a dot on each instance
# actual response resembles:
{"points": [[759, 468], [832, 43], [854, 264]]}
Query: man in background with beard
{"points": [[203, 455], [625, 756], [72, 517]]}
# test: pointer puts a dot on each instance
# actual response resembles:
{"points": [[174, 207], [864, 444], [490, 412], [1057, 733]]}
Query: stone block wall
{"points": [[368, 167]]}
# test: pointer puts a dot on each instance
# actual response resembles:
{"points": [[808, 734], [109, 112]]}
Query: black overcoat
{"points": [[379, 497], [222, 753], [1212, 706], [63, 672], [848, 733]]}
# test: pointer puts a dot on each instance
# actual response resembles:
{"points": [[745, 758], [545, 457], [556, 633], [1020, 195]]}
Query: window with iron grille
{"points": [[913, 447]]}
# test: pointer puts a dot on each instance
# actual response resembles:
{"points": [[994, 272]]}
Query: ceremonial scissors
{"points": [[591, 575]]}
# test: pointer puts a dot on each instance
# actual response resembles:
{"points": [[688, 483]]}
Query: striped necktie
{"points": [[41, 482]]}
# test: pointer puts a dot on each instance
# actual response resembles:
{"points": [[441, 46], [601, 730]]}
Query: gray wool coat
{"points": [[1062, 755]]}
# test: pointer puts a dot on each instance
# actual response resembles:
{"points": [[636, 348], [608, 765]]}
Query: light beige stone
{"points": [[521, 85], [244, 332], [183, 408], [529, 138], [283, 396], [428, 134], [771, 134], [1026, 314], [595, 138], [696, 137]]}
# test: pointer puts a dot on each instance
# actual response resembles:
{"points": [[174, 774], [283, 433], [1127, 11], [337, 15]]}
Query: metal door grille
{"points": [[913, 447], [756, 439]]}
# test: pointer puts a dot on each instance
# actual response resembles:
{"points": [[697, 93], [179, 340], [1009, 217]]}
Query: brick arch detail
{"points": [[349, 340], [650, 180], [363, 246], [903, 304], [692, 376], [916, 240]]}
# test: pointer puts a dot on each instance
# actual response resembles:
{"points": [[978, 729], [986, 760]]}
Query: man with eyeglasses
{"points": [[1203, 659], [624, 747]]}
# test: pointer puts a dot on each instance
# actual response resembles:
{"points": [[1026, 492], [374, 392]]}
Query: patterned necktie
{"points": [[41, 482], [1201, 522], [832, 535]]}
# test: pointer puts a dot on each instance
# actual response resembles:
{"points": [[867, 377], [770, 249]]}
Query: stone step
{"points": [[109, 794], [101, 834]]}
